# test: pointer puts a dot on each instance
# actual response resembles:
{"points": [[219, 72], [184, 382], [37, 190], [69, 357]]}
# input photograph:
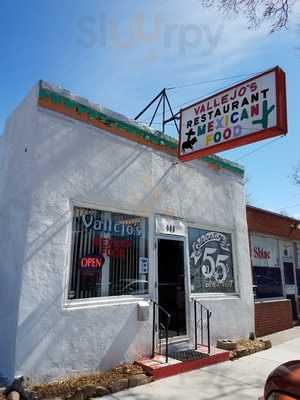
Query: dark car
{"points": [[284, 382], [131, 287]]}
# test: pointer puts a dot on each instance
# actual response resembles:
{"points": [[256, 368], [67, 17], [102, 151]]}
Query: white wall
{"points": [[16, 188], [67, 161]]}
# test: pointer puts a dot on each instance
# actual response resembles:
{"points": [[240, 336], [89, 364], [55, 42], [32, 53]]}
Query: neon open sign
{"points": [[245, 113], [92, 261]]}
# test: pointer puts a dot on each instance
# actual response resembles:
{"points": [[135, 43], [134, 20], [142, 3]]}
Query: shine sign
{"points": [[250, 111]]}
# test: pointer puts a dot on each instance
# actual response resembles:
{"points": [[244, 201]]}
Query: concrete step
{"points": [[159, 368], [176, 346]]}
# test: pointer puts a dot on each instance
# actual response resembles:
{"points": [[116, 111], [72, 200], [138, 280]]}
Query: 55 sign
{"points": [[211, 263], [214, 266]]}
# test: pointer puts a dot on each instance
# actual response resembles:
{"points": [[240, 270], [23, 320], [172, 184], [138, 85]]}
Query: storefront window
{"points": [[109, 254], [266, 269], [211, 261], [268, 281]]}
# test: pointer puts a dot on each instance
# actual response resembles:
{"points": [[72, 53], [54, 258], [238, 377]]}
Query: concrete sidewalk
{"points": [[241, 379]]}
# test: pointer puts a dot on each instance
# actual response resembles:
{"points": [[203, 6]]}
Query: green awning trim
{"points": [[143, 132], [161, 139], [225, 164]]}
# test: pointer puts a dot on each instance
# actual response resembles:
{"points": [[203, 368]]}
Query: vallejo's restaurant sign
{"points": [[245, 113]]}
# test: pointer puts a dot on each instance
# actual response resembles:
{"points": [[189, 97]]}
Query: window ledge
{"points": [[275, 300], [103, 302], [214, 296]]}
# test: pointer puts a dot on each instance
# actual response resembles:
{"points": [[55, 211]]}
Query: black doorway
{"points": [[171, 283], [292, 298]]}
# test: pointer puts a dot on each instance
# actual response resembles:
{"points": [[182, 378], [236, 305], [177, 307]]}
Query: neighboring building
{"points": [[98, 217], [275, 258]]}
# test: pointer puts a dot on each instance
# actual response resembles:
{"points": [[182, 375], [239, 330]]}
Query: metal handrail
{"points": [[208, 315], [161, 325]]}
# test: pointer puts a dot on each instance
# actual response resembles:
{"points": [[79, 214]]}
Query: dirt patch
{"points": [[69, 386], [245, 347], [251, 345]]}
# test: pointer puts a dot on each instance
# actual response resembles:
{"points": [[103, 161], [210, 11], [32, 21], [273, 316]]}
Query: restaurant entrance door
{"points": [[171, 283]]}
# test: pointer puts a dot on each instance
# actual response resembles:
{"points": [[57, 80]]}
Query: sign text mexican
{"points": [[245, 113]]}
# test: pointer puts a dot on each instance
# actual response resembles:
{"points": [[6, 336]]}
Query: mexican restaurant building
{"points": [[275, 259], [100, 218]]}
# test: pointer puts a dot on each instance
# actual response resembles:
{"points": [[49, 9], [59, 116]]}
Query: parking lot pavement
{"points": [[240, 379]]}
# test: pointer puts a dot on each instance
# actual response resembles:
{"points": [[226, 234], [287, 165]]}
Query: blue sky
{"points": [[122, 53]]}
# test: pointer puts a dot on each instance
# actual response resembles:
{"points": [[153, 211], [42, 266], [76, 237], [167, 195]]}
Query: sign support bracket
{"points": [[161, 99]]}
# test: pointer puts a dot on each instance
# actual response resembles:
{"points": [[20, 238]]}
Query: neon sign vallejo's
{"points": [[115, 228]]}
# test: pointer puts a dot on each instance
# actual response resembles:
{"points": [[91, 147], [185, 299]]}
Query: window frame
{"points": [[91, 302], [280, 240], [221, 229]]}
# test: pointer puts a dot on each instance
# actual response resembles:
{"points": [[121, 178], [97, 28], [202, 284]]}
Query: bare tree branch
{"points": [[248, 195], [257, 11], [284, 212], [296, 174]]}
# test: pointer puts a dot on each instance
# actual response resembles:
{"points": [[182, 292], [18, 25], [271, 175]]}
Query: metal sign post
{"points": [[163, 99]]}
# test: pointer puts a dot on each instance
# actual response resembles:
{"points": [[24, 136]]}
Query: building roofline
{"points": [[264, 211], [63, 101]]}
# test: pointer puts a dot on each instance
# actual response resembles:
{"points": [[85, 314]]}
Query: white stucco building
{"points": [[98, 216]]}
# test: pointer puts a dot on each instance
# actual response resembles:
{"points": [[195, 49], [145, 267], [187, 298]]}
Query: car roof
{"points": [[285, 378]]}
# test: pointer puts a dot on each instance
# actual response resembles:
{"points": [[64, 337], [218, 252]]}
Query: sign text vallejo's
{"points": [[247, 112]]}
